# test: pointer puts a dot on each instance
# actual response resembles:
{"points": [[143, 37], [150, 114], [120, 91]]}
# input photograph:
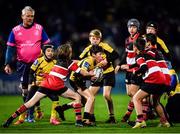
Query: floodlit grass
{"points": [[8, 104]]}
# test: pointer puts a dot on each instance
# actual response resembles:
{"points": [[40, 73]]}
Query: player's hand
{"points": [[8, 69], [102, 63], [93, 78], [124, 67], [117, 69], [91, 73], [29, 87]]}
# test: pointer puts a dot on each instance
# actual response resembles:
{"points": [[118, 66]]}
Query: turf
{"points": [[8, 104]]}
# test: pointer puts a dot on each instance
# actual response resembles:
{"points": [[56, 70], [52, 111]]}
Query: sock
{"points": [[145, 106], [66, 107], [31, 113], [140, 118], [92, 118], [130, 108], [77, 110], [19, 111], [53, 111], [111, 115], [86, 115]]}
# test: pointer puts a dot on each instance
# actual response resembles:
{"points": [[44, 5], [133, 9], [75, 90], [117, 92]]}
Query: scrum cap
{"points": [[133, 22], [44, 47], [152, 24]]}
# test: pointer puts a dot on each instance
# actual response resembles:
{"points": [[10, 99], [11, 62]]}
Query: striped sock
{"points": [[77, 110]]}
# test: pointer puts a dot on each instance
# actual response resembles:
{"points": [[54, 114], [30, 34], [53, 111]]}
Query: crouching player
{"points": [[54, 84]]}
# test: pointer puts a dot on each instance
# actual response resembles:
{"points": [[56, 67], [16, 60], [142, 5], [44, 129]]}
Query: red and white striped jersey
{"points": [[130, 58], [161, 63], [58, 74], [153, 73]]}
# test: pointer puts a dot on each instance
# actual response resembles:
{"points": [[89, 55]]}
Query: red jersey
{"points": [[149, 68], [130, 58], [58, 74], [161, 63]]}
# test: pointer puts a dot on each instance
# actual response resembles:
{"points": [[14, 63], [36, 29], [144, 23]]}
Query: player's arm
{"points": [[11, 49], [140, 61], [32, 77], [74, 67], [111, 54], [163, 45], [33, 70], [9, 54], [45, 38], [163, 48], [85, 52]]}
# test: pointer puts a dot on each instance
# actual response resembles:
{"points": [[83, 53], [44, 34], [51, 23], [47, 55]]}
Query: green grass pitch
{"points": [[8, 104]]}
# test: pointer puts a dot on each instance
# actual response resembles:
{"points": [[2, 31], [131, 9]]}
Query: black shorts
{"points": [[133, 79], [51, 93], [108, 80], [78, 84], [153, 88]]}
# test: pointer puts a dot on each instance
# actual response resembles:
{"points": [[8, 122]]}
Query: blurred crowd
{"points": [[71, 20]]}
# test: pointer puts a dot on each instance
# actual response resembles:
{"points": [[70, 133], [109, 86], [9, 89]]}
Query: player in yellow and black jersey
{"points": [[108, 81], [78, 82], [152, 27]]}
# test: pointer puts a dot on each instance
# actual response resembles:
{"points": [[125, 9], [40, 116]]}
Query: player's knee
{"points": [[24, 92], [78, 98], [91, 99], [107, 96], [134, 99]]}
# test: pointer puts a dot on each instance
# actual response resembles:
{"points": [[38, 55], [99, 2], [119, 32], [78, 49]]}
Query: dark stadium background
{"points": [[71, 20]]}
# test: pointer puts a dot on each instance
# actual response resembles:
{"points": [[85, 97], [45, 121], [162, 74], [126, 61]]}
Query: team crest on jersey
{"points": [[35, 62], [86, 64]]}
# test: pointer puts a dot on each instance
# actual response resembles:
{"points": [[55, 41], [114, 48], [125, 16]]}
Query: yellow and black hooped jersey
{"points": [[87, 64], [109, 54], [41, 67]]}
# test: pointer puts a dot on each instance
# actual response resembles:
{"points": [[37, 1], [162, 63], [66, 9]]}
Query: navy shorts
{"points": [[23, 73]]}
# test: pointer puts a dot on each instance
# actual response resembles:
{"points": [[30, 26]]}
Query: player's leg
{"points": [[54, 120], [24, 107], [23, 75], [88, 105], [108, 83], [161, 112], [68, 93], [94, 90], [137, 99], [131, 91]]}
